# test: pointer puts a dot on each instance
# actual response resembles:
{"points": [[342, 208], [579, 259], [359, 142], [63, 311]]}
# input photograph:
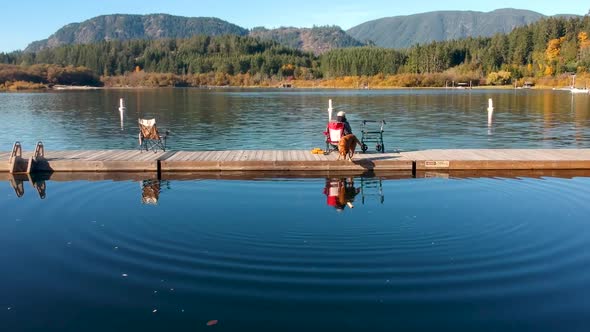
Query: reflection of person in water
{"points": [[340, 193]]}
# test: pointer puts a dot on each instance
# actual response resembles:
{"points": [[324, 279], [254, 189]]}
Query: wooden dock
{"points": [[303, 161]]}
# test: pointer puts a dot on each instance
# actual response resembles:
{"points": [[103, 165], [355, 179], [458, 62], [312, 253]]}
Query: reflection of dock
{"points": [[152, 186], [304, 161]]}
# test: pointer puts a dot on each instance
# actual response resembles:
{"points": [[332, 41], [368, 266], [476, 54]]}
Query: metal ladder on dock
{"points": [[18, 165]]}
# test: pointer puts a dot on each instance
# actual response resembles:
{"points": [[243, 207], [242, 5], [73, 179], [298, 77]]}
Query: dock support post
{"points": [[159, 169]]}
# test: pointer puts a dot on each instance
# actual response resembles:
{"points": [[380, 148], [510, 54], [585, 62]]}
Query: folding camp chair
{"points": [[149, 137], [333, 134]]}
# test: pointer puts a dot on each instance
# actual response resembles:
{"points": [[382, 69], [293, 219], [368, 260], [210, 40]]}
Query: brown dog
{"points": [[346, 146]]}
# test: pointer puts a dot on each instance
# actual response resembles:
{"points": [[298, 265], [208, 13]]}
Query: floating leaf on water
{"points": [[212, 322]]}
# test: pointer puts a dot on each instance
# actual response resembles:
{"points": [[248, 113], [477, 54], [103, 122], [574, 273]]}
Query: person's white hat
{"points": [[341, 113]]}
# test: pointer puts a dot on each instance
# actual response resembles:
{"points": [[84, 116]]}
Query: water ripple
{"points": [[437, 249]]}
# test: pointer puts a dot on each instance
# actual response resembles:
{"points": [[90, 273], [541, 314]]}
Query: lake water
{"points": [[300, 254], [295, 119], [479, 254]]}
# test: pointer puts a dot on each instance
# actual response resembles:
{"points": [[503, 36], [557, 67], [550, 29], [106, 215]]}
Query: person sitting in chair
{"points": [[341, 117]]}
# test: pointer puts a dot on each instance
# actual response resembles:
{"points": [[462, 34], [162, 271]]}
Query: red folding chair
{"points": [[333, 134]]}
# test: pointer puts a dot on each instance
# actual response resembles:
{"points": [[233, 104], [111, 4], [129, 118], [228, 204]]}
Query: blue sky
{"points": [[27, 21]]}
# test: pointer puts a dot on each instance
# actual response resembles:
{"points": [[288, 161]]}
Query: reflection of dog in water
{"points": [[346, 146], [346, 193], [340, 193]]}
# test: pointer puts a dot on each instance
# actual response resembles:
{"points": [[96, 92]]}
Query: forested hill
{"points": [[549, 48], [126, 27], [317, 39], [405, 31], [390, 32]]}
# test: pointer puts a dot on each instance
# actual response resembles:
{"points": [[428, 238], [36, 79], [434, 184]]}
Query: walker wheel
{"points": [[364, 147]]}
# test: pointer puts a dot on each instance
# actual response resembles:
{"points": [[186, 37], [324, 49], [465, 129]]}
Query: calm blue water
{"points": [[202, 119], [486, 254], [474, 254]]}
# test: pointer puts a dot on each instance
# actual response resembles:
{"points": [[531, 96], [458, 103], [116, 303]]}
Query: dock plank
{"points": [[288, 160], [198, 155]]}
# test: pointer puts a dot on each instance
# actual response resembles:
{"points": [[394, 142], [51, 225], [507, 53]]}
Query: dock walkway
{"points": [[304, 160]]}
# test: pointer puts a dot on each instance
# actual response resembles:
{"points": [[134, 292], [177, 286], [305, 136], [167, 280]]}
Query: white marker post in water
{"points": [[490, 111], [330, 109], [121, 110]]}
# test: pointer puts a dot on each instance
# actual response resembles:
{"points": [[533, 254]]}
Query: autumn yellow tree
{"points": [[583, 40], [584, 51], [287, 69], [553, 49]]}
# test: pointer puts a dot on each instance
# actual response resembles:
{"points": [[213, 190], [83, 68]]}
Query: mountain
{"points": [[405, 31], [317, 39], [124, 27], [391, 32]]}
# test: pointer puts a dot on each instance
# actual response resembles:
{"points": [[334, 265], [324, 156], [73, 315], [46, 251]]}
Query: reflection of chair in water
{"points": [[149, 137], [372, 187], [340, 192], [150, 191]]}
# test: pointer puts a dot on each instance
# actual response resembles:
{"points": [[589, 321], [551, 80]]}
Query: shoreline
{"points": [[278, 87], [480, 87]]}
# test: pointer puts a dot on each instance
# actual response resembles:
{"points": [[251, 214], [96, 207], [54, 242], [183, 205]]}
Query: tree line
{"points": [[549, 47]]}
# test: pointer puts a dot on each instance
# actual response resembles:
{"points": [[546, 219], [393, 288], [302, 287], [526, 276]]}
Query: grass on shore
{"points": [[401, 81]]}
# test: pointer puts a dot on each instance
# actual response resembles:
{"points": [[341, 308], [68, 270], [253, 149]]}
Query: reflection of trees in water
{"points": [[238, 118]]}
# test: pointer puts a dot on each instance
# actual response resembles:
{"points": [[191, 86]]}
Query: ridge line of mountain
{"points": [[390, 32]]}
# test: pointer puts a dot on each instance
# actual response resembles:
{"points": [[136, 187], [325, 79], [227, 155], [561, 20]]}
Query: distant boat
{"points": [[576, 90], [573, 88], [463, 85]]}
